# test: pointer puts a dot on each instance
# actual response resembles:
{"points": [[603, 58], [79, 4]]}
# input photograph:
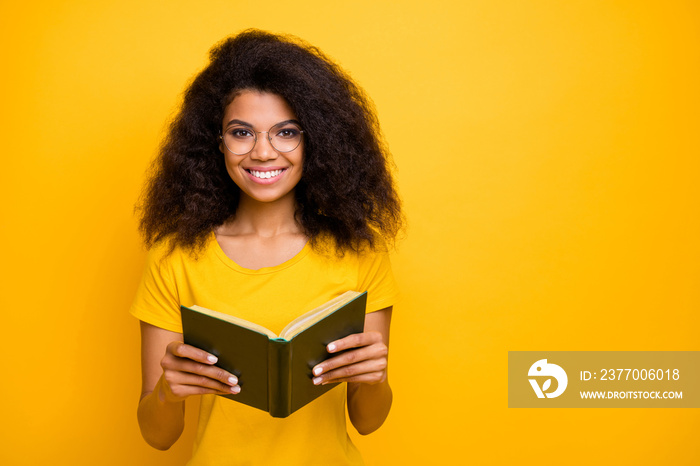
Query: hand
{"points": [[364, 362], [191, 371]]}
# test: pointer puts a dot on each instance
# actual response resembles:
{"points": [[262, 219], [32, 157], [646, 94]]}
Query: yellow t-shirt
{"points": [[231, 433]]}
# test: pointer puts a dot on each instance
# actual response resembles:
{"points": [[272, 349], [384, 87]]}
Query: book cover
{"points": [[274, 372]]}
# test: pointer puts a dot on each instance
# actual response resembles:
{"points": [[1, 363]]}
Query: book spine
{"points": [[280, 378]]}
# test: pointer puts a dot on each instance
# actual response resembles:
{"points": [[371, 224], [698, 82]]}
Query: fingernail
{"points": [[331, 347], [316, 380], [212, 359], [232, 380], [235, 389], [317, 371]]}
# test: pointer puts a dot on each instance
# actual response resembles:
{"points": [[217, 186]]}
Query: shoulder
{"points": [[369, 262], [162, 253], [372, 257], [326, 245], [167, 254]]}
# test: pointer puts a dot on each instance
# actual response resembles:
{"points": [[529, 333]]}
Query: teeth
{"points": [[265, 175]]}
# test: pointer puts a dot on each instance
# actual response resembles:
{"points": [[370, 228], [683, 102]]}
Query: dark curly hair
{"points": [[346, 191]]}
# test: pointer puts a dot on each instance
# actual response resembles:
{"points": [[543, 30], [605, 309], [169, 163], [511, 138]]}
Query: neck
{"points": [[266, 219]]}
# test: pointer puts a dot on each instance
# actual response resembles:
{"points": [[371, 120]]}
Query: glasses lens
{"points": [[285, 137], [239, 139]]}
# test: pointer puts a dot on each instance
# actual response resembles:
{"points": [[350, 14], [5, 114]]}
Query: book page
{"points": [[307, 319], [234, 320]]}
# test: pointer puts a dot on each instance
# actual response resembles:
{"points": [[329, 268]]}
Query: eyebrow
{"points": [[245, 123]]}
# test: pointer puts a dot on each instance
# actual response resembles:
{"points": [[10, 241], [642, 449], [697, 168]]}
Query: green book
{"points": [[274, 371]]}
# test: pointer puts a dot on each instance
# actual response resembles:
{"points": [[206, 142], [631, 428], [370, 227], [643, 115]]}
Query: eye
{"points": [[289, 132], [240, 133]]}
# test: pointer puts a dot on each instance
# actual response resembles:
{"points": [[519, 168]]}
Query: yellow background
{"points": [[548, 157]]}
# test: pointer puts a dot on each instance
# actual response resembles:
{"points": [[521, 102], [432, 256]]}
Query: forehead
{"points": [[259, 109]]}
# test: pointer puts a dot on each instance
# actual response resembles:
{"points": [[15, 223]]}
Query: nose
{"points": [[263, 149]]}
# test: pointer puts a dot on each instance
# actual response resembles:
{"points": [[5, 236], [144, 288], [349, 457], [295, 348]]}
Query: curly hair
{"points": [[346, 191]]}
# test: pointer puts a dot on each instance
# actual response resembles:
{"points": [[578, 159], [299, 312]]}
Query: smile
{"points": [[266, 174]]}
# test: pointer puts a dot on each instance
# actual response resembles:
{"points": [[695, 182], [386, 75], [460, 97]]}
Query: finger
{"points": [[355, 340], [351, 372], [378, 350], [368, 378], [181, 392], [183, 382], [196, 368], [181, 350]]}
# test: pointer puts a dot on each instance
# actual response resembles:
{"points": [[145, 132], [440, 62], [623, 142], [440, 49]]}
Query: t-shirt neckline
{"points": [[214, 244]]}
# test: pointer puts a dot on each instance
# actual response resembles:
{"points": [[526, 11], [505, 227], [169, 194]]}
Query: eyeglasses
{"points": [[284, 137]]}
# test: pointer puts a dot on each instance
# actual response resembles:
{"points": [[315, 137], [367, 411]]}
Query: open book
{"points": [[274, 372]]}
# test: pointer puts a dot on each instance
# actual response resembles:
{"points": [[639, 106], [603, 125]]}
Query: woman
{"points": [[271, 195]]}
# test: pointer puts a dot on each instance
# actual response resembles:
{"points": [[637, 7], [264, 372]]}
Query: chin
{"points": [[267, 198]]}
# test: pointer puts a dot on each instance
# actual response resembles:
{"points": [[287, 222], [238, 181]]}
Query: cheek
{"points": [[300, 158], [233, 169], [300, 167]]}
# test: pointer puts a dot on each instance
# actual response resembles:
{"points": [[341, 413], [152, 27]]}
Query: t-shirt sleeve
{"points": [[377, 278], [157, 301]]}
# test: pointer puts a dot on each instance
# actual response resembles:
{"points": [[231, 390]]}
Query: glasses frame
{"points": [[269, 138]]}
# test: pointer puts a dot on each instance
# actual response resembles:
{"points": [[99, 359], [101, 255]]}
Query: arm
{"points": [[365, 370], [170, 372]]}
